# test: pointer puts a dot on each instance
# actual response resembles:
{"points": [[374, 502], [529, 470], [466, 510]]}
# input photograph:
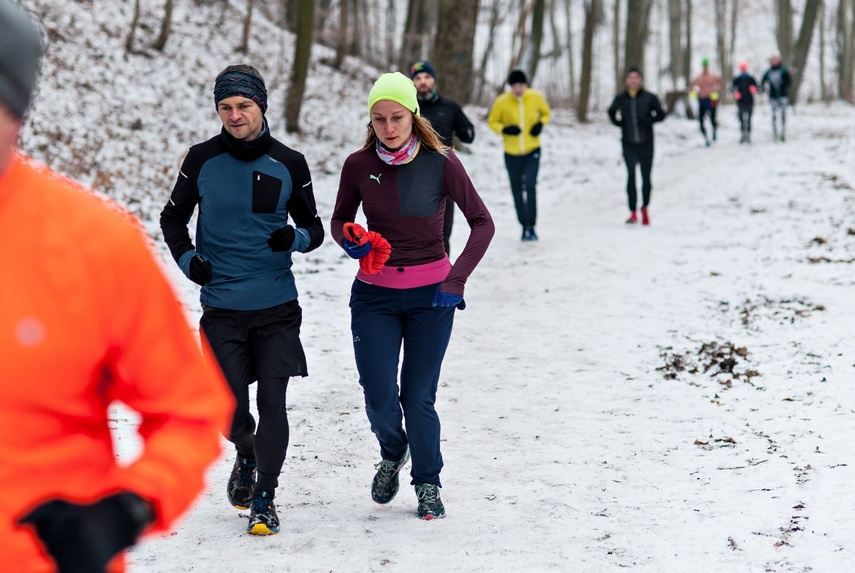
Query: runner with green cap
{"points": [[402, 178], [706, 87]]}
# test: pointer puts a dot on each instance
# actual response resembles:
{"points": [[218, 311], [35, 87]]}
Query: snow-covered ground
{"points": [[663, 398], [572, 439]]}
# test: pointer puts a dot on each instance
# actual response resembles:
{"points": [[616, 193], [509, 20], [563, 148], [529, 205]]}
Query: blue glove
{"points": [[355, 250], [447, 299]]}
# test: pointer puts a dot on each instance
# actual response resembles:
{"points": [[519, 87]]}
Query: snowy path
{"points": [[565, 447]]}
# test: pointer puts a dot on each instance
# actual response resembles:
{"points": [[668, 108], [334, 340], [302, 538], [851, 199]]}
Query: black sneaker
{"points": [[385, 484], [262, 515], [430, 506], [241, 482]]}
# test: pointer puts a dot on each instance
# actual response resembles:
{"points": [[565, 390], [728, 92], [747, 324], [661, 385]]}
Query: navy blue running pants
{"points": [[706, 106], [522, 171], [383, 320], [642, 156]]}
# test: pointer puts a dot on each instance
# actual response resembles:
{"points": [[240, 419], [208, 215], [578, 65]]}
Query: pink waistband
{"points": [[408, 277]]}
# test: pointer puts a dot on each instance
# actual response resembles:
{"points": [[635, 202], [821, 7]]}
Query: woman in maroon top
{"points": [[401, 178]]}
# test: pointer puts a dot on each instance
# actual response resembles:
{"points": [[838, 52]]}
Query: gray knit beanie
{"points": [[20, 50]]}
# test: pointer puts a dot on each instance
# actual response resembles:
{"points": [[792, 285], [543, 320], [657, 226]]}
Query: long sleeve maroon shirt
{"points": [[405, 204]]}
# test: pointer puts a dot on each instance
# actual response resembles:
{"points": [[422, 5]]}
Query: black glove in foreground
{"points": [[85, 538], [281, 239], [512, 130], [200, 270]]}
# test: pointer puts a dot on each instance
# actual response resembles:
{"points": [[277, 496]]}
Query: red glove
{"points": [[752, 89], [737, 95], [373, 262]]}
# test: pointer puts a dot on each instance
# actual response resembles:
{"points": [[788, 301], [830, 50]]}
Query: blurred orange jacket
{"points": [[88, 317]]}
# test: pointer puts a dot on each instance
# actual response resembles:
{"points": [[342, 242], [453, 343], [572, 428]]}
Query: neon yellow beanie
{"points": [[395, 87]]}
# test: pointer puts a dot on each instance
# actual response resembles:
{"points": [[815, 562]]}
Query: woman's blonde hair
{"points": [[423, 130]]}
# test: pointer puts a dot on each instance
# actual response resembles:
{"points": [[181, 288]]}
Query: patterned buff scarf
{"points": [[403, 155]]}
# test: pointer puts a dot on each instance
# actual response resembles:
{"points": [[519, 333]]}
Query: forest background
{"points": [[561, 44]]}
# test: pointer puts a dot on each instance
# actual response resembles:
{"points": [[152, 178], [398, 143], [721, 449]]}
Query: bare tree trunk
{"points": [[784, 28], [637, 27], [531, 51], [414, 34], [675, 40], [247, 25], [165, 26], [292, 18], [571, 67], [687, 57], [720, 37], [521, 34], [300, 68], [389, 33], [452, 52], [592, 15], [496, 18], [799, 58], [355, 48], [850, 63], [731, 50], [322, 13], [341, 45], [616, 43], [129, 41], [846, 49], [823, 90]]}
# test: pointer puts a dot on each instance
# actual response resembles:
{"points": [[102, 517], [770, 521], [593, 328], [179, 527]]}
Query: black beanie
{"points": [[420, 67], [633, 69], [20, 51], [517, 77], [241, 80]]}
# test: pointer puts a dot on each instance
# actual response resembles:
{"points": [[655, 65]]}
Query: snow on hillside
{"points": [[667, 398]]}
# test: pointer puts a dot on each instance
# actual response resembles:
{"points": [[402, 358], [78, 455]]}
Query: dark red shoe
{"points": [[645, 218], [633, 218]]}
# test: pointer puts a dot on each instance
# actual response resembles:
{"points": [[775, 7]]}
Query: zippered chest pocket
{"points": [[266, 190]]}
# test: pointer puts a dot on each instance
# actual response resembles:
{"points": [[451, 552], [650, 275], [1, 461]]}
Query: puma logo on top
{"points": [[376, 178]]}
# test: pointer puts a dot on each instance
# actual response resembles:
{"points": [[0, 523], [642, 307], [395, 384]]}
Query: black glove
{"points": [[200, 270], [85, 538], [512, 130], [536, 129], [281, 239]]}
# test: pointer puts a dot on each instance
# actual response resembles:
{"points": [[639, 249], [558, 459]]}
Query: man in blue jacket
{"points": [[247, 185], [635, 110], [777, 81]]}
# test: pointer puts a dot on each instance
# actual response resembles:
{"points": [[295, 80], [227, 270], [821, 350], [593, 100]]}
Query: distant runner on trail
{"points": [[518, 115], [776, 83], [707, 87], [447, 119], [247, 185], [635, 110], [743, 88]]}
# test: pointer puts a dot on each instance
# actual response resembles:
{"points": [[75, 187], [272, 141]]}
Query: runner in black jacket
{"points": [[744, 87], [635, 111], [446, 118]]}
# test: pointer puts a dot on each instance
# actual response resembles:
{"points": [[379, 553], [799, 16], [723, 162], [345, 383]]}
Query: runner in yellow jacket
{"points": [[87, 318], [518, 115]]}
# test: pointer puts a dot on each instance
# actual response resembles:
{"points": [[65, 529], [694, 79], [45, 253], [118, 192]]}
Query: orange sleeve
{"points": [[159, 371]]}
